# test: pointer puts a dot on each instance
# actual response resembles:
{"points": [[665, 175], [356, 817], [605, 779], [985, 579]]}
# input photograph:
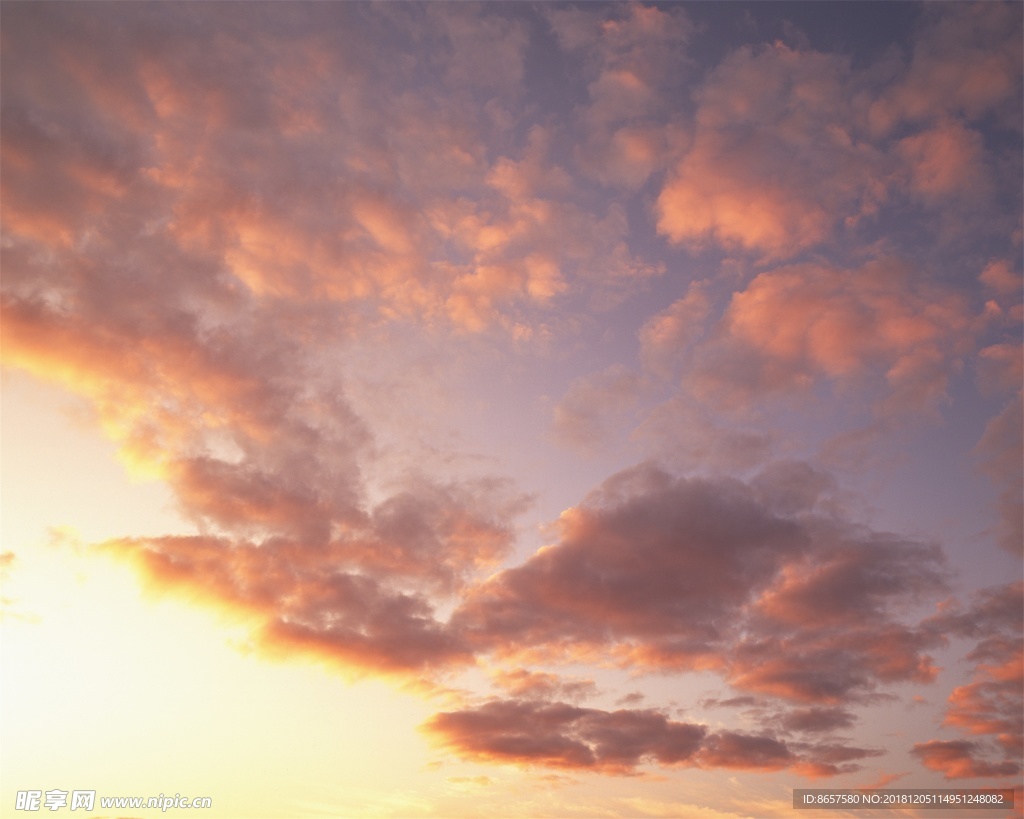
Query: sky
{"points": [[510, 409]]}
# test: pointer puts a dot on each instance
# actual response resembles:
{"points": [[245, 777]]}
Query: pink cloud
{"points": [[792, 326], [635, 58], [773, 166], [945, 161], [992, 704], [565, 736], [665, 335], [192, 237], [957, 759], [966, 61], [299, 182], [1000, 277]]}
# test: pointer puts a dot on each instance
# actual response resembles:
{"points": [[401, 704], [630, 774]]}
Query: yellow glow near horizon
{"points": [[106, 689]]}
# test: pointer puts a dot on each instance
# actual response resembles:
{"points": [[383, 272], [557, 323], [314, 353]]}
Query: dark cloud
{"points": [[565, 736], [558, 735], [646, 558], [815, 720], [661, 572]]}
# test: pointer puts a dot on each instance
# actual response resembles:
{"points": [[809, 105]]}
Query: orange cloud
{"points": [[792, 326], [301, 602], [957, 759], [773, 167], [944, 161]]}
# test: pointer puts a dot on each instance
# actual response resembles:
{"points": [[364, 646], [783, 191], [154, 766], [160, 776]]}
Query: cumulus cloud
{"points": [[658, 572], [966, 61], [790, 147], [301, 183], [882, 327], [635, 58], [191, 242], [774, 165], [361, 592], [558, 735], [944, 160]]}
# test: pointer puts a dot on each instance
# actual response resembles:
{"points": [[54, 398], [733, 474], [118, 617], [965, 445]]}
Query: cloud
{"points": [[1001, 367], [584, 418], [793, 148], [356, 587], [320, 175], [881, 326], [521, 683], [956, 759], [966, 61], [658, 572], [206, 213], [992, 704], [773, 167], [554, 734], [565, 736], [666, 335], [816, 720], [1000, 449], [943, 161], [303, 600], [999, 277], [635, 58], [692, 435], [697, 550]]}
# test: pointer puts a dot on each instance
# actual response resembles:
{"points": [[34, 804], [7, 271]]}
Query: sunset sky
{"points": [[510, 409]]}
